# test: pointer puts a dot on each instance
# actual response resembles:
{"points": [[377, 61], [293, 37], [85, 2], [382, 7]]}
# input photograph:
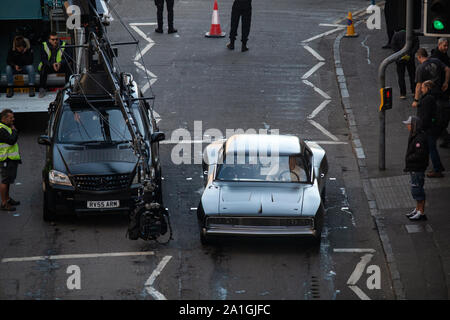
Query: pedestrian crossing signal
{"points": [[437, 18], [386, 98]]}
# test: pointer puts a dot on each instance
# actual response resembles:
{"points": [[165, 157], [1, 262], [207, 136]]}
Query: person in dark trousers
{"points": [[241, 10], [441, 53], [9, 158], [159, 15], [53, 60], [20, 60], [406, 62], [390, 17], [434, 70], [416, 162]]}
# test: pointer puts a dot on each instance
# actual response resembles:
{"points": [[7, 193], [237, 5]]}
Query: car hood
{"points": [[80, 160], [270, 200]]}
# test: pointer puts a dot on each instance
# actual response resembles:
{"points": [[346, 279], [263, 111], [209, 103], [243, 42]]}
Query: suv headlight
{"points": [[59, 178]]}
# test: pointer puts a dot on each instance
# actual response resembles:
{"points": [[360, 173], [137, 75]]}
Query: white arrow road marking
{"points": [[356, 275], [149, 283], [359, 269]]}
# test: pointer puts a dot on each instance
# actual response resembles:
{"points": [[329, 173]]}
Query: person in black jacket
{"points": [[416, 162], [406, 62], [441, 53], [242, 9], [8, 167], [20, 60], [426, 111]]}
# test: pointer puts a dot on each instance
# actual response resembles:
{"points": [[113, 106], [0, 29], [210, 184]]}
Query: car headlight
{"points": [[59, 178]]}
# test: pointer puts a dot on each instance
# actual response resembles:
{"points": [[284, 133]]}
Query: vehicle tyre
{"points": [[204, 239], [48, 215], [323, 194]]}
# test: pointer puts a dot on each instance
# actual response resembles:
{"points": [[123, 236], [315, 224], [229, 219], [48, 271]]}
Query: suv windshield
{"points": [[80, 126], [288, 168]]}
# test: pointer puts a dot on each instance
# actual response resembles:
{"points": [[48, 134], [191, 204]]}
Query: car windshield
{"points": [[81, 126], [288, 168]]}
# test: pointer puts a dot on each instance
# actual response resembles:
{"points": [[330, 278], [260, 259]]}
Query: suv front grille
{"points": [[102, 183]]}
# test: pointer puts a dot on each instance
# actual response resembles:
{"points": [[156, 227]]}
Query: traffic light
{"points": [[437, 18], [386, 98]]}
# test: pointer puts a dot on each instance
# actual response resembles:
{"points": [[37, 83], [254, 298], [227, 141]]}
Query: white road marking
{"points": [[332, 25], [312, 70], [322, 35], [318, 109], [318, 90], [367, 48], [323, 130], [209, 141], [78, 256], [359, 269], [149, 283], [352, 250], [314, 53], [359, 293]]}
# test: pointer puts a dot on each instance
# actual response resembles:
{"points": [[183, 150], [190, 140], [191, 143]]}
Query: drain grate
{"points": [[315, 287]]}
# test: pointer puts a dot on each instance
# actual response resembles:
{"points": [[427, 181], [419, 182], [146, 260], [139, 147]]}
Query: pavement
{"points": [[418, 253]]}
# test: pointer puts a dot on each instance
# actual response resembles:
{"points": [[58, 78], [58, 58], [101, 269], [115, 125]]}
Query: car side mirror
{"points": [[158, 136], [44, 140]]}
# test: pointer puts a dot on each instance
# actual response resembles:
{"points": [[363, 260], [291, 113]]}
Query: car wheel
{"points": [[204, 239], [48, 215]]}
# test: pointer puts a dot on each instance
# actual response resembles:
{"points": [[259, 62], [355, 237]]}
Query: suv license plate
{"points": [[103, 204]]}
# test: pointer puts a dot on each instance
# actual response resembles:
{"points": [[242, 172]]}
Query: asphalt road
{"points": [[279, 85]]}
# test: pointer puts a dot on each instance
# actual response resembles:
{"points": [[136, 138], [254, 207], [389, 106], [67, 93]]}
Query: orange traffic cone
{"points": [[215, 31], [350, 26]]}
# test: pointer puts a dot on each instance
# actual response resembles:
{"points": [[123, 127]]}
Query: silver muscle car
{"points": [[262, 185]]}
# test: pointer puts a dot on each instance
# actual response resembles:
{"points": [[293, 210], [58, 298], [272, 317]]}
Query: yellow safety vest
{"points": [[49, 53], [8, 151]]}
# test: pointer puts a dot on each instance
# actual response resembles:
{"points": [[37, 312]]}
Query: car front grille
{"points": [[102, 183], [260, 221]]}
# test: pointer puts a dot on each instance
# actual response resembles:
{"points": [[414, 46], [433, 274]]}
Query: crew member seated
{"points": [[53, 60], [20, 61]]}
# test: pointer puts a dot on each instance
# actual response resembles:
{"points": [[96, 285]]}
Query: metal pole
{"points": [[382, 79]]}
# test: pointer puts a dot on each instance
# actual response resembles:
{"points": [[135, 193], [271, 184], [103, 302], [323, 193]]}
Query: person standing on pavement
{"points": [[416, 162], [441, 53], [241, 10], [9, 158], [389, 17], [159, 15], [426, 111], [406, 62], [434, 70]]}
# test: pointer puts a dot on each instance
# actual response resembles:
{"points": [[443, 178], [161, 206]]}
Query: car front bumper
{"points": [[65, 201]]}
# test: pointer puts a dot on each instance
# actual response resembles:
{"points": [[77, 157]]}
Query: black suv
{"points": [[90, 164]]}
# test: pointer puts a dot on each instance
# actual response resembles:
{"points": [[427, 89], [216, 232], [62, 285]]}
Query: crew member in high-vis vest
{"points": [[9, 158], [53, 60]]}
